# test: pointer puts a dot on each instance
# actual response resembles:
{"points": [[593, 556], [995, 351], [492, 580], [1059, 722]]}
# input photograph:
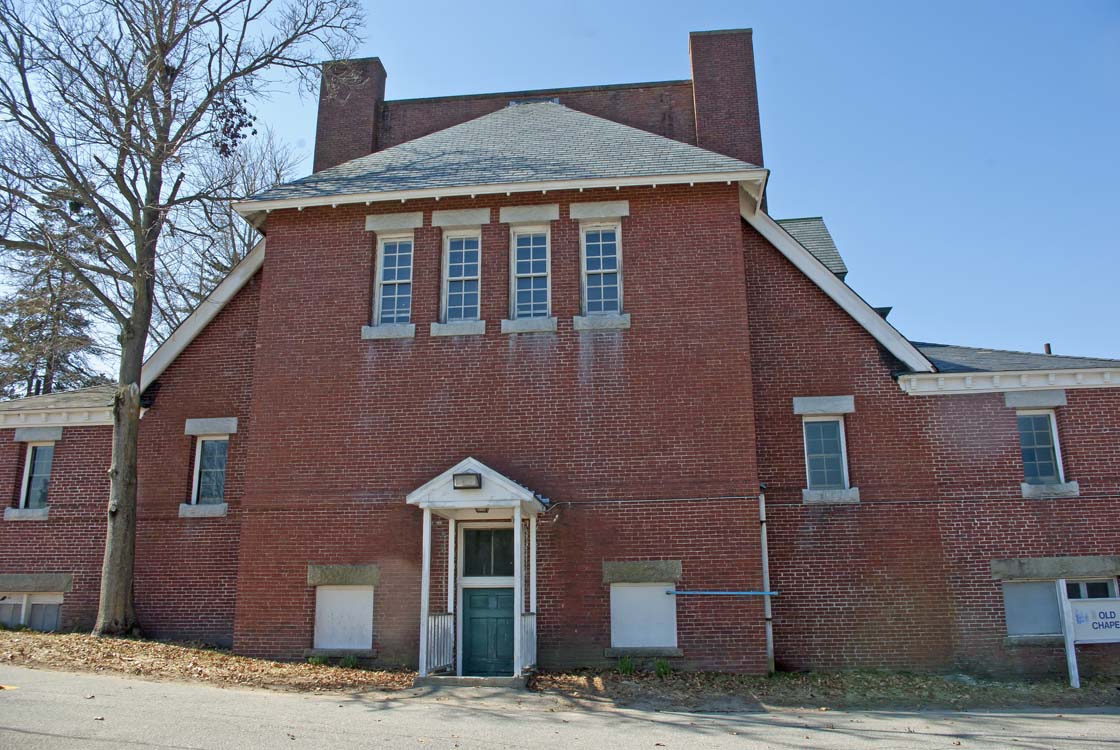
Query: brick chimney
{"points": [[351, 93], [725, 95]]}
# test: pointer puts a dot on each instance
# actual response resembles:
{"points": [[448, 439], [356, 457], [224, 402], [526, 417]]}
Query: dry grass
{"points": [[857, 689], [681, 690], [168, 661]]}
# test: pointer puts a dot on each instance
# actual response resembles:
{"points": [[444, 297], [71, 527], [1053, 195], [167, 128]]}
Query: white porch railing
{"points": [[441, 641], [529, 639]]}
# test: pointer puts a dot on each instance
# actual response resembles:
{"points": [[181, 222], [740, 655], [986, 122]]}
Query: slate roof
{"points": [[814, 236], [95, 397], [948, 358], [536, 141]]}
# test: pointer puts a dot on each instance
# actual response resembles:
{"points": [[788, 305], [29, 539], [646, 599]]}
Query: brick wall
{"points": [[72, 539], [903, 579], [186, 568], [346, 428], [662, 108]]}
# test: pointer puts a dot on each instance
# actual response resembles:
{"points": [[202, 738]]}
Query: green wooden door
{"points": [[488, 632]]}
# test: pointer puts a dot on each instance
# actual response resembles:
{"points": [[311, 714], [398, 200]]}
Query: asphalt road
{"points": [[63, 710]]}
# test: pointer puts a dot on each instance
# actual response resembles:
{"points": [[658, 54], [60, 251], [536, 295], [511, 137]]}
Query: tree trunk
{"points": [[116, 614]]}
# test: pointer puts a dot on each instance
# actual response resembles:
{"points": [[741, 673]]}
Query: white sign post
{"points": [[1086, 621]]}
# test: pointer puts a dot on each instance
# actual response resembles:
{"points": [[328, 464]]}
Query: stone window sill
{"points": [[1034, 641], [206, 510], [1058, 489], [459, 328], [361, 653], [601, 322], [615, 652], [26, 514], [849, 496], [389, 331], [529, 325]]}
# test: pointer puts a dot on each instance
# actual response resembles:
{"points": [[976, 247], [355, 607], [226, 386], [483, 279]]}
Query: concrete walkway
{"points": [[63, 710]]}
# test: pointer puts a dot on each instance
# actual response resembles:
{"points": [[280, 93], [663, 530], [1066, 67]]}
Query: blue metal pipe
{"points": [[674, 592]]}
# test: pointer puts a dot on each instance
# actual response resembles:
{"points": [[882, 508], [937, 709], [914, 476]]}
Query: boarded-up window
{"points": [[643, 615], [38, 611], [344, 617], [1031, 608]]}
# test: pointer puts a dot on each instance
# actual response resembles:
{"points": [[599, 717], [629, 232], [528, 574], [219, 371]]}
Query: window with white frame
{"points": [[826, 453], [38, 611], [530, 273], [1031, 607], [601, 246], [643, 615], [462, 275], [210, 457], [344, 617], [37, 475], [1038, 443], [394, 280]]}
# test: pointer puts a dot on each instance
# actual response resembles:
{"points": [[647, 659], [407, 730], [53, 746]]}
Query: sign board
{"points": [[1096, 620], [1086, 621]]}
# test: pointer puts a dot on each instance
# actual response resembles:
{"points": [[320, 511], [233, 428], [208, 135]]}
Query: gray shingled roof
{"points": [[527, 142], [814, 236], [949, 358], [95, 397]]}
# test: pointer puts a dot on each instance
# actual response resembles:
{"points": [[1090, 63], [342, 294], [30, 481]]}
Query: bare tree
{"points": [[111, 103], [209, 238]]}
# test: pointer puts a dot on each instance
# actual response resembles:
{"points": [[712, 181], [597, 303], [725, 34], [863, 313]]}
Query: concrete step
{"points": [[438, 680]]}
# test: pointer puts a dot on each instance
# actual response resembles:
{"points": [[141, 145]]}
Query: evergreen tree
{"points": [[47, 339]]}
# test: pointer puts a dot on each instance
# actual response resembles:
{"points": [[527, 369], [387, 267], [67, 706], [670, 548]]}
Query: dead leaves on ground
{"points": [[155, 660]]}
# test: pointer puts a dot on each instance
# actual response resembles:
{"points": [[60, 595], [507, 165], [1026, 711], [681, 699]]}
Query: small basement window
{"points": [[643, 615], [344, 618], [38, 611]]}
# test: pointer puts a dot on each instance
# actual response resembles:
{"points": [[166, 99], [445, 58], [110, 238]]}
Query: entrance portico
{"points": [[485, 572]]}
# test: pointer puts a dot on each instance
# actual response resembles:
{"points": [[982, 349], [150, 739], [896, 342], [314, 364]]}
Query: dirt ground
{"points": [[681, 690]]}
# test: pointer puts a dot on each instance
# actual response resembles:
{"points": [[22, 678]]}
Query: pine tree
{"points": [[47, 339]]}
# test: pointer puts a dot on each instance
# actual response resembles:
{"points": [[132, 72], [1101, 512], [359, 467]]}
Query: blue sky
{"points": [[964, 154]]}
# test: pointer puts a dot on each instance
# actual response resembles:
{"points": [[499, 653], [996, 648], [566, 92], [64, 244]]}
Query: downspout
{"points": [[766, 606]]}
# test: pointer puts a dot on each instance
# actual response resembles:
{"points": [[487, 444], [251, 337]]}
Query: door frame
{"points": [[475, 582]]}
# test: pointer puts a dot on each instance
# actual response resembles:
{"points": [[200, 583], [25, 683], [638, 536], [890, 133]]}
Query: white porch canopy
{"points": [[496, 498]]}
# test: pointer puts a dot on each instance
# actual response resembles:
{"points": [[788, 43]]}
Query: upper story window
{"points": [[462, 274], [394, 280], [602, 269], [826, 455], [530, 273], [37, 475], [1038, 441], [211, 453]]}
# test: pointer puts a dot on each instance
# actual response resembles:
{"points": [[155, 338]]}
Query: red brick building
{"points": [[533, 379]]}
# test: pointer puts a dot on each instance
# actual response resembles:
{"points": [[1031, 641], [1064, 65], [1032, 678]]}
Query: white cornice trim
{"points": [[88, 417], [841, 293], [754, 178], [206, 311], [955, 383]]}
